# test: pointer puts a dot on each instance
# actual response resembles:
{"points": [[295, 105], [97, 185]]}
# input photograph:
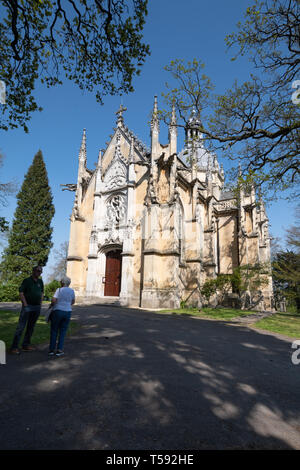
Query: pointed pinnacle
{"points": [[82, 151], [173, 115], [154, 120]]}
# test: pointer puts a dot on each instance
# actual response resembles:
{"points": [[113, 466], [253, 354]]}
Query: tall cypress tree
{"points": [[29, 241]]}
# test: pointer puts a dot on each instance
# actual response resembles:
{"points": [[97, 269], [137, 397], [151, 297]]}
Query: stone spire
{"points": [[173, 131], [119, 113], [173, 116], [99, 158], [209, 179], [154, 133], [155, 120], [82, 151], [131, 172], [80, 178], [222, 171], [192, 129]]}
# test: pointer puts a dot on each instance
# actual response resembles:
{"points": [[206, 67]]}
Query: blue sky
{"points": [[174, 29]]}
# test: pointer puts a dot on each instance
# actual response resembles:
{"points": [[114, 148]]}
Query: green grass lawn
{"points": [[9, 321], [284, 323], [205, 312]]}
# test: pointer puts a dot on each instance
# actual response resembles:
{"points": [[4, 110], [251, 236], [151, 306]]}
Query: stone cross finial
{"points": [[120, 113]]}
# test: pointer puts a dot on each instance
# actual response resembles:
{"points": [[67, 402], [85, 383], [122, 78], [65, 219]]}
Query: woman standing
{"points": [[62, 301]]}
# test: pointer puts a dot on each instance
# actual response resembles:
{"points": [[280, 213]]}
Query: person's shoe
{"points": [[14, 351], [59, 353], [51, 353], [29, 348]]}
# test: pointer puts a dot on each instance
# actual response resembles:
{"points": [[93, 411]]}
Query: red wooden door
{"points": [[113, 273]]}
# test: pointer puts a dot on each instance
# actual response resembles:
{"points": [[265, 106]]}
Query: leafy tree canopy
{"points": [[286, 266], [256, 123], [95, 43], [29, 241]]}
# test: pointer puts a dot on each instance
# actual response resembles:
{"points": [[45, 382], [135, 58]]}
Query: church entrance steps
{"points": [[107, 300]]}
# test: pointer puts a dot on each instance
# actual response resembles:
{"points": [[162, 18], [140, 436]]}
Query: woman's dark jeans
{"points": [[59, 324], [29, 316]]}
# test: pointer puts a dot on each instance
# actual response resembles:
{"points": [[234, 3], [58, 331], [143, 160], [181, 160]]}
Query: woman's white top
{"points": [[64, 296]]}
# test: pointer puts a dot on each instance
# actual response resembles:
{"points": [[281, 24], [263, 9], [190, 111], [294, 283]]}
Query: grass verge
{"points": [[214, 313], [287, 324], [8, 325]]}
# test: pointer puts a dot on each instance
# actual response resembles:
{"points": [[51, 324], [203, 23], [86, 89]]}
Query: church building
{"points": [[150, 226]]}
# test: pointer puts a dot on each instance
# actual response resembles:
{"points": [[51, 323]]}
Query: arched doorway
{"points": [[113, 269]]}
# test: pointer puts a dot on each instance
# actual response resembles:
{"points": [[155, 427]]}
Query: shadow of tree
{"points": [[140, 380]]}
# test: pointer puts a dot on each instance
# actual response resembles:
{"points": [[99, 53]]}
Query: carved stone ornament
{"points": [[115, 210], [129, 229], [94, 236], [76, 212], [112, 237], [225, 206], [116, 174]]}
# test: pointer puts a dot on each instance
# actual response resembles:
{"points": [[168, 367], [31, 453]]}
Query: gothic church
{"points": [[147, 229]]}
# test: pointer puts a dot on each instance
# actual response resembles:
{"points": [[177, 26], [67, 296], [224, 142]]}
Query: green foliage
{"points": [[286, 267], [50, 289], [208, 312], [282, 323], [246, 278], [3, 225], [250, 277], [9, 321], [221, 284], [9, 292], [191, 91], [96, 44], [29, 240], [257, 122], [208, 289], [286, 277]]}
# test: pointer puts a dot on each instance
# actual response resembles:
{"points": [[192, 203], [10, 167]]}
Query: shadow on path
{"points": [[132, 379]]}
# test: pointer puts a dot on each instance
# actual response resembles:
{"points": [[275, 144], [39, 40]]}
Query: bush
{"points": [[246, 278], [208, 289], [9, 292], [50, 289], [221, 284]]}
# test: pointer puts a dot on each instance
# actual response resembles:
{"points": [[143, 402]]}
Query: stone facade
{"points": [[148, 229]]}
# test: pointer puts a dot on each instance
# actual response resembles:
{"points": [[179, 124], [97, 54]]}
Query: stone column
{"points": [[93, 283], [127, 287]]}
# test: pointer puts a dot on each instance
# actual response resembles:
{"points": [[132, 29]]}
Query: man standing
{"points": [[31, 295]]}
